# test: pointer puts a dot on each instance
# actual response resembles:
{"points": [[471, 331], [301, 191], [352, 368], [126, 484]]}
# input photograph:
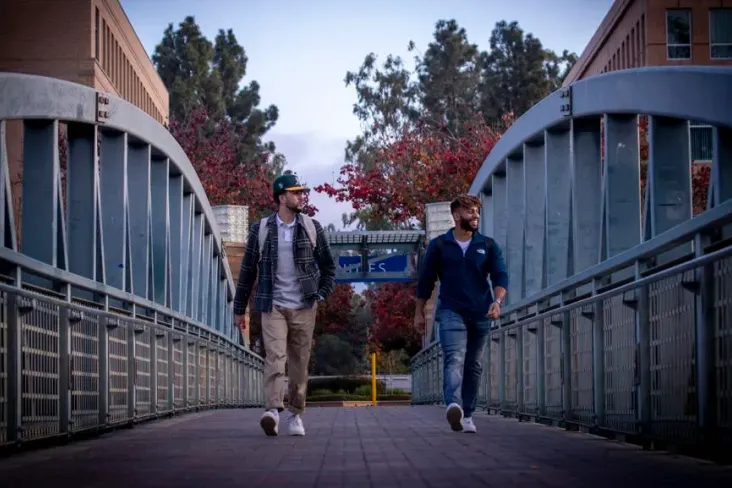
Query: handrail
{"points": [[38, 97], [633, 91]]}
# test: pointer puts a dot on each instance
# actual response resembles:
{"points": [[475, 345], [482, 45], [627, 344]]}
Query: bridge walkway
{"points": [[355, 447]]}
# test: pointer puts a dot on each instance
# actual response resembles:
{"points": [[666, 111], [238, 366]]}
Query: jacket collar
{"points": [[477, 236]]}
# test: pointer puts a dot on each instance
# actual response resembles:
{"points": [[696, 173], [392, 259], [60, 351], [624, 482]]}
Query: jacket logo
{"points": [[481, 251]]}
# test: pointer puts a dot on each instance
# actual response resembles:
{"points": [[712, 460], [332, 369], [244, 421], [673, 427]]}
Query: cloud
{"points": [[316, 160]]}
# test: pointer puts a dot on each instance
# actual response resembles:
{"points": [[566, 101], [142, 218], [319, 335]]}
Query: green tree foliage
{"points": [[450, 82], [204, 75]]}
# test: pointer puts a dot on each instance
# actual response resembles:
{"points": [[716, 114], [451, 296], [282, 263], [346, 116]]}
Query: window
{"points": [[700, 139], [678, 34], [96, 35], [720, 33]]}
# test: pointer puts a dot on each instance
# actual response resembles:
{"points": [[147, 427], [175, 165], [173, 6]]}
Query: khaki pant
{"points": [[288, 337]]}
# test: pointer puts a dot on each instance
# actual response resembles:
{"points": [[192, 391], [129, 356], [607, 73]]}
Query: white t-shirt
{"points": [[464, 245]]}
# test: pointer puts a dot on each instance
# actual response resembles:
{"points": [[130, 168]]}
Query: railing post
{"points": [[15, 368], [705, 344], [489, 371], [103, 340], [566, 326], [519, 340], [64, 369], [598, 361], [502, 370], [131, 372], [641, 303], [154, 335], [171, 366], [540, 369]]}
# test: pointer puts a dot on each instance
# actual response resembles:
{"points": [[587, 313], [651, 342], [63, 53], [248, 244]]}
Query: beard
{"points": [[467, 225], [294, 207]]}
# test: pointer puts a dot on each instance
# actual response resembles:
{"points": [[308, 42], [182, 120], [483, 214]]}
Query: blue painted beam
{"points": [[535, 194], [40, 227], [516, 222], [621, 184], [186, 253], [176, 239], [138, 178], [669, 173], [586, 194], [82, 186], [559, 250], [160, 227], [8, 238]]}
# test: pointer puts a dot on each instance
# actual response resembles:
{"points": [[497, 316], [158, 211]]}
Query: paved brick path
{"points": [[354, 447]]}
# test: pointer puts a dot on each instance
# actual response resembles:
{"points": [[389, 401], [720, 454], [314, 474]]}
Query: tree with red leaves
{"points": [[392, 309], [211, 145], [426, 164], [333, 316]]}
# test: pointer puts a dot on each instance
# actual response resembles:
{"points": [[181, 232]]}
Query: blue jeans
{"points": [[463, 343]]}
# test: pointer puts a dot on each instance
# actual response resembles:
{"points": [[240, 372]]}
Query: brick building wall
{"points": [[90, 42], [634, 34]]}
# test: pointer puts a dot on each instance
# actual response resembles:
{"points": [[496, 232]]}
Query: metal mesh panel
{"points": [[161, 343], [118, 373], [40, 371], [213, 356], [203, 372], [192, 352], [143, 395], [220, 379], [495, 393], [582, 407], [178, 372], [723, 333], [85, 372], [511, 385], [619, 361], [553, 369], [529, 369], [673, 368], [3, 369]]}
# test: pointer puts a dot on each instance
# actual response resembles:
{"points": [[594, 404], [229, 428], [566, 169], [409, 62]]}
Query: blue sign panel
{"points": [[396, 263]]}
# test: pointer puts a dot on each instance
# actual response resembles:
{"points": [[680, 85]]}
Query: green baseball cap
{"points": [[288, 182]]}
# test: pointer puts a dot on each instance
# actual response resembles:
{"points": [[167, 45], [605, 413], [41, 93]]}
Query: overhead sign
{"points": [[392, 263]]}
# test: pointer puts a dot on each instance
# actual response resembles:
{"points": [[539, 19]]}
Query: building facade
{"points": [[642, 33], [90, 42]]}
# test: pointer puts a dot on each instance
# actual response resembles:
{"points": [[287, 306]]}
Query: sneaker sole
{"points": [[269, 426], [454, 418]]}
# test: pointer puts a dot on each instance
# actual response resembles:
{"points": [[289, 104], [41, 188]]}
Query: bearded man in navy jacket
{"points": [[463, 259]]}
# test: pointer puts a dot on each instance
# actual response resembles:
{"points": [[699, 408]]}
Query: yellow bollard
{"points": [[373, 378]]}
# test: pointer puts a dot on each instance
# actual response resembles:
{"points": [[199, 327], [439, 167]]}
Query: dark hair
{"points": [[464, 201]]}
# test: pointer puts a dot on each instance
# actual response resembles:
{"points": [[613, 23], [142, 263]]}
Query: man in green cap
{"points": [[290, 253]]}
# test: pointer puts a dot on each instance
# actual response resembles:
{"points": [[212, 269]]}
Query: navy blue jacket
{"points": [[464, 287]]}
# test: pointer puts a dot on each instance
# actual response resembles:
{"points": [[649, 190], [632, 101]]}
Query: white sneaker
{"points": [[468, 425], [454, 416], [270, 422], [294, 425]]}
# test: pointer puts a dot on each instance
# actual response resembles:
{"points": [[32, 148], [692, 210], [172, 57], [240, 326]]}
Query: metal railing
{"points": [[115, 293], [620, 312]]}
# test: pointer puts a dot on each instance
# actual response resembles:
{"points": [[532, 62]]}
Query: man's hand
{"points": [[494, 311], [419, 320], [242, 321]]}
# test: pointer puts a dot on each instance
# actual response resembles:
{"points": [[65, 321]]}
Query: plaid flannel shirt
{"points": [[315, 267]]}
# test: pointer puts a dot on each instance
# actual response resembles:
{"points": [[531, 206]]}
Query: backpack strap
{"points": [[310, 230], [307, 223], [263, 230]]}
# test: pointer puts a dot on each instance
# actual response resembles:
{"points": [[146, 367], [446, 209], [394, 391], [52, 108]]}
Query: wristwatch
{"points": [[498, 301]]}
